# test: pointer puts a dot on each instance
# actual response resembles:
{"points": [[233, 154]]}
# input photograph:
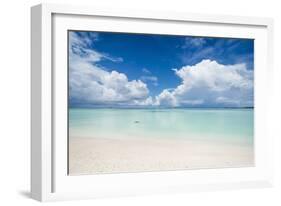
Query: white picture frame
{"points": [[49, 179]]}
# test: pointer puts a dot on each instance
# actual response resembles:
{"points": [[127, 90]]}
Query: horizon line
{"points": [[108, 107]]}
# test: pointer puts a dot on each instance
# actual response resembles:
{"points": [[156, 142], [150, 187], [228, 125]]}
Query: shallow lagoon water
{"points": [[223, 125]]}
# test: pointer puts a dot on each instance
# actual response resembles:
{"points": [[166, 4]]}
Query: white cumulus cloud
{"points": [[211, 84], [207, 83], [92, 85]]}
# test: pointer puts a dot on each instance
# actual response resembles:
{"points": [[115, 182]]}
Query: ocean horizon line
{"points": [[161, 107]]}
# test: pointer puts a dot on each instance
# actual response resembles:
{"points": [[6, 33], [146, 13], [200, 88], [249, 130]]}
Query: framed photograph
{"points": [[136, 102]]}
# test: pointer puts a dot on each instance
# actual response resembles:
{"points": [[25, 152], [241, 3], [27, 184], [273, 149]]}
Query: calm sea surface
{"points": [[202, 124]]}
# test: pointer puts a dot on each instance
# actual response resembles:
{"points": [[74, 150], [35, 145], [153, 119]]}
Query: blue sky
{"points": [[144, 70]]}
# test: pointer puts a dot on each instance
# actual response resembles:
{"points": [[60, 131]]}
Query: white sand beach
{"points": [[105, 155]]}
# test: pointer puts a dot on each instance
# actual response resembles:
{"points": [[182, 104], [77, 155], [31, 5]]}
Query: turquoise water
{"points": [[216, 124]]}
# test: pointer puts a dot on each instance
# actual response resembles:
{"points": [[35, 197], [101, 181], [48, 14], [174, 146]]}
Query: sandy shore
{"points": [[100, 155]]}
